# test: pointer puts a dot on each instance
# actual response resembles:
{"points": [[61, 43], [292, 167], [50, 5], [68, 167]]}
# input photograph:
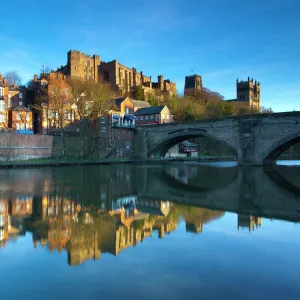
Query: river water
{"points": [[172, 231]]}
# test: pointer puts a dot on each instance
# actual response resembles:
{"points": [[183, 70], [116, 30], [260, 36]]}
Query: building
{"points": [[123, 78], [195, 227], [116, 128], [3, 104], [12, 101], [139, 104], [192, 85], [50, 95], [21, 119], [248, 222], [153, 115], [248, 92]]}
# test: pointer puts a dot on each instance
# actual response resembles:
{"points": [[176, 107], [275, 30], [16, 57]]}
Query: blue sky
{"points": [[220, 40]]}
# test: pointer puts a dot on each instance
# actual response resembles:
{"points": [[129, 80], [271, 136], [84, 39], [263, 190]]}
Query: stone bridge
{"points": [[247, 190], [255, 139]]}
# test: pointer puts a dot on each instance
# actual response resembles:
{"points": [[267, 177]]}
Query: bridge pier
{"points": [[249, 143]]}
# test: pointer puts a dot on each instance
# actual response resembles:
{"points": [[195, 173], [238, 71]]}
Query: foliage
{"points": [[206, 104], [139, 93]]}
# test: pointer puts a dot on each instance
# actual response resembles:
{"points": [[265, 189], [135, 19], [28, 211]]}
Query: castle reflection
{"points": [[85, 232], [91, 211]]}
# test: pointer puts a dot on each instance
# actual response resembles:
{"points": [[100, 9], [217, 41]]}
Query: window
{"points": [[9, 103], [1, 91], [44, 83], [162, 116], [22, 126], [2, 220], [53, 90], [18, 126], [168, 117], [156, 116], [146, 117], [2, 118], [103, 129], [151, 117], [137, 118], [67, 91], [2, 105], [18, 117], [127, 144], [20, 95], [127, 110], [141, 118], [20, 103]]}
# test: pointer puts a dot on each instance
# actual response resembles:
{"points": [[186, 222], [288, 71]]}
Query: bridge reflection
{"points": [[89, 211]]}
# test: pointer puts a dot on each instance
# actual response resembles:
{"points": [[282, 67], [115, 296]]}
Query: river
{"points": [[150, 231]]}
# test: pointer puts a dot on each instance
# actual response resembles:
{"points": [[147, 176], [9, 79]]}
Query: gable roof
{"points": [[21, 108], [118, 101], [149, 110], [140, 104]]}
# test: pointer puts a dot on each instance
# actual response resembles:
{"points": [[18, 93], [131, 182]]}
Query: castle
{"points": [[124, 79]]}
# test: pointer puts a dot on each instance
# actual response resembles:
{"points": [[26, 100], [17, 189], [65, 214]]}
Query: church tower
{"points": [[193, 85], [249, 92]]}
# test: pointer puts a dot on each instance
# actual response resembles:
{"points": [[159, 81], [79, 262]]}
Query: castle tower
{"points": [[83, 66], [161, 82], [193, 85], [249, 92]]}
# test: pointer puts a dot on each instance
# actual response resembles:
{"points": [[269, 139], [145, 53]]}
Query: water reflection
{"points": [[90, 211]]}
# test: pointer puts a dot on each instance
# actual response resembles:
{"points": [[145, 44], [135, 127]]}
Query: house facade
{"points": [[153, 115], [14, 111], [50, 97]]}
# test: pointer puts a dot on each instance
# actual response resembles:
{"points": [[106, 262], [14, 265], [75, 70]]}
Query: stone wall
{"points": [[70, 146], [24, 147]]}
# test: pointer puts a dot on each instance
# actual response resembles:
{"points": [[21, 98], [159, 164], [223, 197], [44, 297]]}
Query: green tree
{"points": [[139, 93]]}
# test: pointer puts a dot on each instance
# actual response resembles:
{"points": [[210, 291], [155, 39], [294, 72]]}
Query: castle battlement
{"points": [[120, 76]]}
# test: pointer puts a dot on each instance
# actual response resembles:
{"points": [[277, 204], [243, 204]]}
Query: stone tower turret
{"points": [[83, 66], [249, 92], [193, 85], [161, 82]]}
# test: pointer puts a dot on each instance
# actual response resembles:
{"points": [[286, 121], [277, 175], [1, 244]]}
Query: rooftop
{"points": [[149, 110]]}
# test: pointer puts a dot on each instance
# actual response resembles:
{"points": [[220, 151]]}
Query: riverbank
{"points": [[70, 161]]}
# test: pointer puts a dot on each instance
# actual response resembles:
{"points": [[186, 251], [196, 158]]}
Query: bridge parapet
{"points": [[256, 139]]}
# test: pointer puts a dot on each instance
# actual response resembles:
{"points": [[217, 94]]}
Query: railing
{"points": [[124, 125]]}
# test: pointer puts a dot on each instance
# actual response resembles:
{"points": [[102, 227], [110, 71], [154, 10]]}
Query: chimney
{"points": [[35, 78], [0, 77], [4, 81]]}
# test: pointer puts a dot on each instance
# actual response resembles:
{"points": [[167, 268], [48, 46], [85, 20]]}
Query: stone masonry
{"points": [[256, 139]]}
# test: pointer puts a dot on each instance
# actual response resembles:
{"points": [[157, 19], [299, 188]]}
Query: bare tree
{"points": [[13, 77], [90, 102], [45, 69]]}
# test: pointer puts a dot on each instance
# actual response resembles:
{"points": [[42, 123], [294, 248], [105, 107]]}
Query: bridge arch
{"points": [[162, 146], [273, 152]]}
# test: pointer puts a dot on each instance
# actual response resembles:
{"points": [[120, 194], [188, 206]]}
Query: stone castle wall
{"points": [[123, 78]]}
